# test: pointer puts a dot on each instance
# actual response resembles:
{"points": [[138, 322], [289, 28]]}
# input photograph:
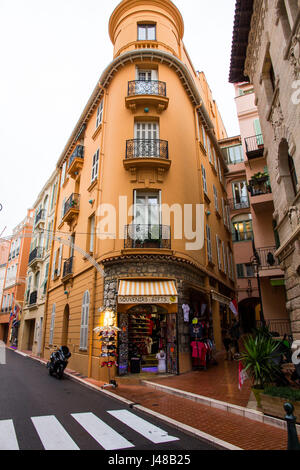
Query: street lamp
{"points": [[255, 261]]}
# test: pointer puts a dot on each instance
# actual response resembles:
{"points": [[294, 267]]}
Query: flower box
{"points": [[273, 406]]}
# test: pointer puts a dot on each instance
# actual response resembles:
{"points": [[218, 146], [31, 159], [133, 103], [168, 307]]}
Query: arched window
{"points": [[52, 325], [84, 320]]}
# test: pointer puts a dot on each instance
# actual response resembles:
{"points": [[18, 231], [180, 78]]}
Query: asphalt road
{"points": [[39, 412]]}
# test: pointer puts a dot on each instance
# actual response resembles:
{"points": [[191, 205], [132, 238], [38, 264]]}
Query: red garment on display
{"points": [[199, 351]]}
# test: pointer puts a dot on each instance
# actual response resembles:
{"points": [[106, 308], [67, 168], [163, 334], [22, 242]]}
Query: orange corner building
{"points": [[142, 229]]}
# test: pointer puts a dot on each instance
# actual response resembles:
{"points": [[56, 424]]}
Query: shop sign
{"points": [[220, 298], [147, 299]]}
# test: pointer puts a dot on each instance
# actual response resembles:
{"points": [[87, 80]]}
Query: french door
{"points": [[240, 195], [146, 136], [146, 228]]}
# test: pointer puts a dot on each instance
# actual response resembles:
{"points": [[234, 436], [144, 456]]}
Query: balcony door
{"points": [[146, 135], [240, 194], [147, 217], [145, 82]]}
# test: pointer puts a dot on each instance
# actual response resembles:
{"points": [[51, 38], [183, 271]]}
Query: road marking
{"points": [[8, 438], [101, 432], [52, 434], [143, 427]]}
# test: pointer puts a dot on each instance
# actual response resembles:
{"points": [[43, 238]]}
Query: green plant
{"points": [[258, 358], [289, 393]]}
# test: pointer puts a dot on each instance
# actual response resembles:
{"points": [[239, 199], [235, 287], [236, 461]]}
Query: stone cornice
{"points": [[260, 7]]}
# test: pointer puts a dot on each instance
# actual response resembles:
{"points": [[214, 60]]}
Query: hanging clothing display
{"points": [[186, 312]]}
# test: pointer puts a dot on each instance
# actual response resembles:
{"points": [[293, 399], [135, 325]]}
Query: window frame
{"points": [[146, 27], [95, 166]]}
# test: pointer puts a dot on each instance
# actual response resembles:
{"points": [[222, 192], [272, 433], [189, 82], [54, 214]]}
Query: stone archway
{"points": [[247, 313]]}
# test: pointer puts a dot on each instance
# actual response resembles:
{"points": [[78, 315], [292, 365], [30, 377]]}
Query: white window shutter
{"points": [[59, 260], [53, 265], [84, 320], [52, 325]]}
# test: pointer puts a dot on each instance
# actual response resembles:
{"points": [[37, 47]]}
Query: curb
{"points": [[222, 445], [221, 405]]}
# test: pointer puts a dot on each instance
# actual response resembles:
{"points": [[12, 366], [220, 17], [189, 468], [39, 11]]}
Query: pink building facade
{"points": [[260, 281]]}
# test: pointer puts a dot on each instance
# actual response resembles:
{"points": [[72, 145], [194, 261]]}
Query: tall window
{"points": [[234, 154], [240, 194], [146, 32], [208, 242], [216, 199], [204, 179], [95, 166], [84, 320], [293, 174], [99, 114], [91, 230], [242, 230]]}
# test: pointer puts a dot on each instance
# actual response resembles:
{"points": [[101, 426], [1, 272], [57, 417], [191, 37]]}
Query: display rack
{"points": [[108, 340]]}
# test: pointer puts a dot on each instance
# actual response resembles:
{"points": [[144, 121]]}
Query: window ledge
{"points": [[92, 185], [97, 131]]}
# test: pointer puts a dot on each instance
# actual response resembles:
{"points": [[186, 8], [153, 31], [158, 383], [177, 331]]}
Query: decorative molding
{"points": [[294, 53], [260, 8]]}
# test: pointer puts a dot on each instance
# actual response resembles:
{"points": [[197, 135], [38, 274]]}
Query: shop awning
{"points": [[160, 292]]}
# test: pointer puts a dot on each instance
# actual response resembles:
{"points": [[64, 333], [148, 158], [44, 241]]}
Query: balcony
{"points": [[241, 203], [266, 258], [147, 236], [68, 268], [147, 93], [242, 236], [33, 298], [254, 147], [71, 208], [35, 257], [141, 153], [40, 218], [76, 161], [261, 197]]}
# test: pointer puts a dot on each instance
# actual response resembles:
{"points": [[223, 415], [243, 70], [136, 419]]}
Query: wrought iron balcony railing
{"points": [[266, 257], [242, 236], [280, 326], [254, 146], [149, 148], [147, 236], [71, 203], [37, 253], [78, 153], [240, 203], [33, 298], [40, 216], [68, 267], [150, 87]]}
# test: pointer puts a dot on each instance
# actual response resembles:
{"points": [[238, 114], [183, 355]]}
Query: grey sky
{"points": [[52, 55]]}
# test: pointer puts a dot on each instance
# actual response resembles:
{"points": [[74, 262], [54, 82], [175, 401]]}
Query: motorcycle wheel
{"points": [[50, 371], [60, 372]]}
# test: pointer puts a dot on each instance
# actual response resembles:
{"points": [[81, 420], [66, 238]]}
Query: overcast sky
{"points": [[52, 55]]}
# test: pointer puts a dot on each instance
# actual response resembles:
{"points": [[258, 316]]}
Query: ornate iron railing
{"points": [[149, 87], [147, 236], [148, 148], [241, 203], [40, 216], [266, 257], [68, 267], [36, 253], [72, 202], [78, 153], [254, 146], [280, 326]]}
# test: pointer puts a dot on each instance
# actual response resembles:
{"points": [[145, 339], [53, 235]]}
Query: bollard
{"points": [[293, 441]]}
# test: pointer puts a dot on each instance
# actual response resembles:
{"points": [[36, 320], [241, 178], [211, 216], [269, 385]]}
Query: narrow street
{"points": [[40, 412]]}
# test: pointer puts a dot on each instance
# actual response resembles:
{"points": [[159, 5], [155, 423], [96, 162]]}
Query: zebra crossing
{"points": [[54, 436]]}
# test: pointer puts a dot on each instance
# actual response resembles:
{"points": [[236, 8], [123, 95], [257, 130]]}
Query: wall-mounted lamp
{"points": [[91, 201], [208, 212], [146, 110]]}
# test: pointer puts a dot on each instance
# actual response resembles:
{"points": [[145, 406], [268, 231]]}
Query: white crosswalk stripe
{"points": [[8, 438], [53, 435], [101, 432], [143, 427]]}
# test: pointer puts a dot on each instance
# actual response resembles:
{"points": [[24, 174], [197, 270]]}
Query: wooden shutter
{"points": [[52, 325], [84, 320]]}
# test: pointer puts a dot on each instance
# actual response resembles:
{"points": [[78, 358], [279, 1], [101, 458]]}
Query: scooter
{"points": [[58, 361]]}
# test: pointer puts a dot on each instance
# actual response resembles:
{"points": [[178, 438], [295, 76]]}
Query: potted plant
{"points": [[273, 399], [258, 361]]}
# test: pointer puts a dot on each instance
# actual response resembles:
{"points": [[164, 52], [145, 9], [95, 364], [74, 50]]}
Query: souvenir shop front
{"points": [[147, 321]]}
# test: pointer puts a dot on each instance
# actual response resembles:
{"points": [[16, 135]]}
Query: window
{"points": [[220, 171], [204, 137], [219, 252], [45, 278], [95, 166], [63, 174], [224, 258], [147, 208], [54, 265], [234, 154], [84, 320], [216, 198], [99, 114], [204, 179], [240, 271], [249, 270], [293, 174], [146, 32], [242, 230], [52, 325], [240, 195], [209, 151], [91, 229], [208, 242]]}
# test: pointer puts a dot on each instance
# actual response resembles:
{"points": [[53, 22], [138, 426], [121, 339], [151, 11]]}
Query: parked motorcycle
{"points": [[58, 361]]}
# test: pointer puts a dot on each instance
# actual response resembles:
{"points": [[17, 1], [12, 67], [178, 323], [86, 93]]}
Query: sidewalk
{"points": [[217, 383]]}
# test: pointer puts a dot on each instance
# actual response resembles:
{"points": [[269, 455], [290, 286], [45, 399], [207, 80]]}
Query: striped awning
{"points": [[147, 292]]}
